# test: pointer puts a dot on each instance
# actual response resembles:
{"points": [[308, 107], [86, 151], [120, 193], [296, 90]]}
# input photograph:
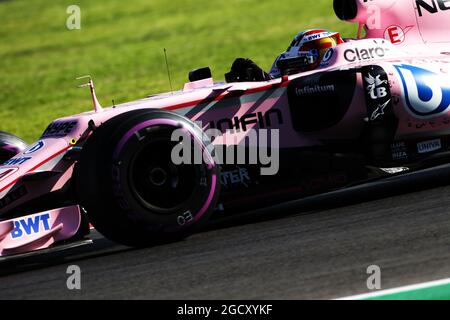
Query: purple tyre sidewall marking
{"points": [[209, 161], [138, 127]]}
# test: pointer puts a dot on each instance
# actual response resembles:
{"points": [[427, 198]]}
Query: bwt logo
{"points": [[32, 225], [16, 161], [427, 94]]}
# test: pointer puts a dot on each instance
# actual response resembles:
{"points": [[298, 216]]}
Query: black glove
{"points": [[244, 70]]}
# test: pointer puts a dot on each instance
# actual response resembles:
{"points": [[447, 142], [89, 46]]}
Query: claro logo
{"points": [[432, 6], [353, 55]]}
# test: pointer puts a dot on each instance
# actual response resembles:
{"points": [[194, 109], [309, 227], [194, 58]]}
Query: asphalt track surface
{"points": [[318, 248]]}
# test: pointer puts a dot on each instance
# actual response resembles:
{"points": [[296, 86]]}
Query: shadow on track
{"points": [[50, 257], [389, 187], [405, 183]]}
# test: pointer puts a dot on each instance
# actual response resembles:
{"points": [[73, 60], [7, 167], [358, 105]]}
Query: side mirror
{"points": [[10, 145], [346, 10], [200, 74]]}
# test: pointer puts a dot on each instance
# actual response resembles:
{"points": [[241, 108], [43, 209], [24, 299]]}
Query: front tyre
{"points": [[132, 190]]}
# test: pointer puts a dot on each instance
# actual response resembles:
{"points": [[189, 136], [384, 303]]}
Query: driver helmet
{"points": [[306, 51]]}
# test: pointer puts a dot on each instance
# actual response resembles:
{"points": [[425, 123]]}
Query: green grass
{"points": [[121, 45]]}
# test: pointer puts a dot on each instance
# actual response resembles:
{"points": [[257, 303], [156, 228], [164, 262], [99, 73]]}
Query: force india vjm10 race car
{"points": [[377, 106]]}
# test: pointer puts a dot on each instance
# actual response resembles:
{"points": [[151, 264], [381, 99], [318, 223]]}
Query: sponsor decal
{"points": [[36, 147], [239, 176], [59, 129], [379, 111], [399, 151], [432, 6], [434, 123], [314, 89], [353, 55], [316, 36], [327, 57], [429, 146], [378, 96], [310, 96], [30, 226], [263, 120], [323, 182], [6, 172], [13, 196], [376, 86], [396, 34], [16, 161], [426, 93]]}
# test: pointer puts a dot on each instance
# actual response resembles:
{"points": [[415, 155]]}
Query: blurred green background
{"points": [[121, 43]]}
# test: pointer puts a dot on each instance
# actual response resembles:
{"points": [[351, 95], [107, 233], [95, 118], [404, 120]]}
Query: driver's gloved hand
{"points": [[244, 70]]}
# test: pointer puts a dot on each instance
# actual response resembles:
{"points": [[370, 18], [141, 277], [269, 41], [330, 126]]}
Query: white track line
{"points": [[398, 290]]}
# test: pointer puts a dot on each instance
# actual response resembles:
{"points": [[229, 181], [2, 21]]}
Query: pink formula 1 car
{"points": [[377, 106]]}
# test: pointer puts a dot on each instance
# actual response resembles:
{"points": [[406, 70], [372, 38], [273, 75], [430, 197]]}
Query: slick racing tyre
{"points": [[132, 190], [10, 145]]}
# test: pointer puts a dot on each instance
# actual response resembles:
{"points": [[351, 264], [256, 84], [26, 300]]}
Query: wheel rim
{"points": [[157, 183]]}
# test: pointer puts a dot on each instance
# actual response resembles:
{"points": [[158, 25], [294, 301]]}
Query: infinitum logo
{"points": [[314, 89]]}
